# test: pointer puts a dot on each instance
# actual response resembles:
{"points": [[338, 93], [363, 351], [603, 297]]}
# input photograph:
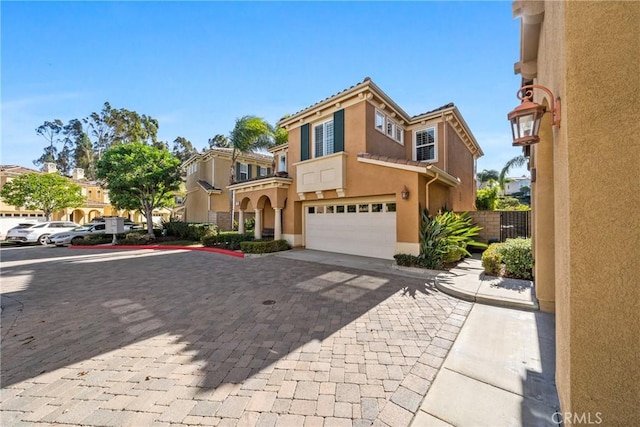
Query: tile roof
{"points": [[250, 155], [17, 169], [444, 107], [208, 187], [391, 159]]}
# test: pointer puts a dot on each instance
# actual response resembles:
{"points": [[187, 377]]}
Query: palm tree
{"points": [[517, 161], [487, 176]]}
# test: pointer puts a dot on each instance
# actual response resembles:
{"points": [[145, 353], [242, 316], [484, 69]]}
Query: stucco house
{"points": [[356, 171], [584, 58], [207, 198], [97, 203]]}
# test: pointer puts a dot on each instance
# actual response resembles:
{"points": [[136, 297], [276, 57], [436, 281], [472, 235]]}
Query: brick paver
{"points": [[108, 338]]}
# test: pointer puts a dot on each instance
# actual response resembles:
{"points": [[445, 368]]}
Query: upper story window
{"points": [[425, 145], [192, 168], [244, 172], [380, 121], [282, 163], [389, 127], [262, 171], [323, 139]]}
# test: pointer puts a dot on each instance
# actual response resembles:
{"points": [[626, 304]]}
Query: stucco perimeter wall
{"points": [[597, 186]]}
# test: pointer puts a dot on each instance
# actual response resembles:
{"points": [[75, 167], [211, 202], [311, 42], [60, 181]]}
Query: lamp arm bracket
{"points": [[525, 93]]}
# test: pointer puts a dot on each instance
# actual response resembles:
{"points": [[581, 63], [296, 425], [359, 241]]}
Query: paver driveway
{"points": [[178, 338]]}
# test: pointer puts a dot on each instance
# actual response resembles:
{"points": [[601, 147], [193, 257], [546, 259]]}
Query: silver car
{"points": [[39, 232], [78, 233]]}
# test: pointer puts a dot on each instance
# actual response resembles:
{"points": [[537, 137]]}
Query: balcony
{"points": [[322, 174]]}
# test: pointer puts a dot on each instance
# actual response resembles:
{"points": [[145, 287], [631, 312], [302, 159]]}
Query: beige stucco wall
{"points": [[459, 163], [589, 55]]}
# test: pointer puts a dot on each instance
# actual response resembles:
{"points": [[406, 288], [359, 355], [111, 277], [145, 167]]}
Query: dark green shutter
{"points": [[268, 171], [249, 168], [338, 131], [238, 171], [304, 142]]}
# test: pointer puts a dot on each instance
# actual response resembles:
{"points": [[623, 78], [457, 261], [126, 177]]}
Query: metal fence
{"points": [[514, 224]]}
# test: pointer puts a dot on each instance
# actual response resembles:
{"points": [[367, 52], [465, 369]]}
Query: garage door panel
{"points": [[367, 233]]}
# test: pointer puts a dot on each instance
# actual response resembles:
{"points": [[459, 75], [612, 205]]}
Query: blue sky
{"points": [[197, 66]]}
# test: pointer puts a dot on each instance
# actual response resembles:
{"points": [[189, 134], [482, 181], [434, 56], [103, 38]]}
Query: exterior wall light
{"points": [[405, 193], [525, 118]]}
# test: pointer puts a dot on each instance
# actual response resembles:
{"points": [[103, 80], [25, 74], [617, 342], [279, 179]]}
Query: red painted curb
{"points": [[189, 248]]}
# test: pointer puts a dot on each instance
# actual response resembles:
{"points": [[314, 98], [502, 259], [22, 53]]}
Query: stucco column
{"points": [[277, 226], [241, 221], [258, 227]]}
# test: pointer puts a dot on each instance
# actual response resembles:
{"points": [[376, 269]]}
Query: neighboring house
{"points": [[207, 198], [356, 171], [514, 185], [585, 199], [96, 204]]}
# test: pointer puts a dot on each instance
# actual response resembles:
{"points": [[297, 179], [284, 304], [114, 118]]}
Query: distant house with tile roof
{"points": [[356, 171]]}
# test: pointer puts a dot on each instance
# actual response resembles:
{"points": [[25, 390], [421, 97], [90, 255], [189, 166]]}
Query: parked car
{"points": [[128, 224], [38, 233], [78, 233]]}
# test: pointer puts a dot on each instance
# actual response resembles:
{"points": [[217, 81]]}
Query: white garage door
{"points": [[366, 229]]}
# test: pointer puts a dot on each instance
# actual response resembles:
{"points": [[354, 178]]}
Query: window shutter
{"points": [[304, 142], [338, 131], [249, 169], [268, 171], [238, 171]]}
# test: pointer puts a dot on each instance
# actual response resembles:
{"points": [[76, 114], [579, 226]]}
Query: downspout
{"points": [[233, 207], [444, 143], [427, 189]]}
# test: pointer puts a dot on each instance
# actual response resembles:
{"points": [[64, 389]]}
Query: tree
{"points": [[140, 177], [183, 149], [249, 134], [517, 161], [44, 192], [50, 131], [218, 141], [487, 176]]}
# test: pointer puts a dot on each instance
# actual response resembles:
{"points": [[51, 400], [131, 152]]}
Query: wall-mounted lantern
{"points": [[405, 193], [525, 118]]}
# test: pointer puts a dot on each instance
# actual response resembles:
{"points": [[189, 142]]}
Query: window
{"points": [[329, 209], [399, 134], [244, 172], [323, 134], [379, 121], [282, 167], [262, 171], [312, 209], [351, 208], [426, 145], [391, 129], [340, 209], [192, 168], [376, 207], [391, 207], [363, 208]]}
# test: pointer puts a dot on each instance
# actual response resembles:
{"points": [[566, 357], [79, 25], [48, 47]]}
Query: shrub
{"points": [[92, 240], [406, 260], [188, 231], [515, 256], [264, 246], [157, 232], [510, 204], [459, 234], [228, 240], [492, 260], [486, 199], [136, 238], [432, 242]]}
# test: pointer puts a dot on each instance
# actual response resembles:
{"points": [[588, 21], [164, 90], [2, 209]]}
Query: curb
{"points": [[507, 303], [164, 247]]}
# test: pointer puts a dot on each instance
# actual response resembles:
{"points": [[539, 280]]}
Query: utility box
{"points": [[114, 225]]}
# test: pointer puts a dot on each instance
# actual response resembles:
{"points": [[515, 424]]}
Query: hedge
{"points": [[229, 241], [514, 257], [264, 246]]}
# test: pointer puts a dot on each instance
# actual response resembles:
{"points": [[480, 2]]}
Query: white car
{"points": [[38, 233], [78, 233]]}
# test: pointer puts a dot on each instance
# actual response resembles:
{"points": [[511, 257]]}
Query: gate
{"points": [[514, 224]]}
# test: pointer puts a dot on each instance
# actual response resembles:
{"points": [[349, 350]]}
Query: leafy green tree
{"points": [[44, 192], [140, 177], [183, 149], [487, 198], [218, 141]]}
